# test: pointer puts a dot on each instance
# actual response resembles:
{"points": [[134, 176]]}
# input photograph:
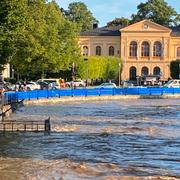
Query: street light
{"points": [[1, 77], [86, 59], [119, 74], [73, 71]]}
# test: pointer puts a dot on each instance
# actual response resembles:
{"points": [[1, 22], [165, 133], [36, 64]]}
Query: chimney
{"points": [[95, 25]]}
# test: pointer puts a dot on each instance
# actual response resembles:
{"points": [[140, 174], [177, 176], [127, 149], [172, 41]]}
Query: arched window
{"points": [[133, 49], [85, 51], [156, 71], [178, 52], [111, 51], [132, 73], [98, 50], [144, 71], [157, 49], [145, 49]]}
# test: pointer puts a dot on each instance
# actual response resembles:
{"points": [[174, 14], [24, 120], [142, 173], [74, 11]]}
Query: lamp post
{"points": [[119, 74], [169, 71], [86, 59], [73, 71], [1, 77], [12, 73]]}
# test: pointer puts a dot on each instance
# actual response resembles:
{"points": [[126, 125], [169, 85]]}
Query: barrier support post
{"points": [[47, 125]]}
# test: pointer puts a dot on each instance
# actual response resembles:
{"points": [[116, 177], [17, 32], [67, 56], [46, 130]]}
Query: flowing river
{"points": [[96, 140]]}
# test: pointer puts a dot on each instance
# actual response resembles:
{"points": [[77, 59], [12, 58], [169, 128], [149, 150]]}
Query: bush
{"points": [[175, 69], [99, 67], [11, 80]]}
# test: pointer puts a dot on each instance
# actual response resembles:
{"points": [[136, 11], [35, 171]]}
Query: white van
{"points": [[173, 83]]}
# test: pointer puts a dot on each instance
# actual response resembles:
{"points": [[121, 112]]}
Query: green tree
{"points": [[78, 12], [97, 67], [175, 69], [119, 21], [47, 43], [12, 22], [30, 54], [112, 68], [157, 11], [35, 37]]}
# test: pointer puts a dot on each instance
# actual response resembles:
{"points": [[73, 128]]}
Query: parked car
{"points": [[1, 85], [1, 89], [32, 86], [7, 86], [52, 83], [43, 85], [151, 80], [127, 84], [173, 83], [76, 83], [107, 85]]}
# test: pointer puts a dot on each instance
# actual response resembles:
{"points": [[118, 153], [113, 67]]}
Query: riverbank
{"points": [[99, 98], [112, 139]]}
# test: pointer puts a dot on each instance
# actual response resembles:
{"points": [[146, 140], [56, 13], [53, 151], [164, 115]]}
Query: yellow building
{"points": [[146, 48]]}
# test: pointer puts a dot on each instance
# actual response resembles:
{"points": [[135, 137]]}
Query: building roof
{"points": [[103, 31], [175, 31], [115, 31]]}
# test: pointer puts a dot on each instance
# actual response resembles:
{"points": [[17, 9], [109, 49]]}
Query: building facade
{"points": [[146, 48], [6, 71]]}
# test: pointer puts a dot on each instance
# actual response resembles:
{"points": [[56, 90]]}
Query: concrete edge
{"points": [[97, 98]]}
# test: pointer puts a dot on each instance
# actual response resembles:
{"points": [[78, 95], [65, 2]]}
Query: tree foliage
{"points": [[119, 21], [78, 12], [97, 67], [40, 38], [157, 11], [175, 69], [12, 22]]}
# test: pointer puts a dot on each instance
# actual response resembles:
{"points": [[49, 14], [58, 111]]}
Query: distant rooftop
{"points": [[175, 31], [103, 31]]}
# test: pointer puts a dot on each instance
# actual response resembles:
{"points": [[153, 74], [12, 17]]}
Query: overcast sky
{"points": [[106, 10]]}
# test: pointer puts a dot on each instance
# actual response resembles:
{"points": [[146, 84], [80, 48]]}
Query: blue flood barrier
{"points": [[37, 94], [155, 91], [93, 92]]}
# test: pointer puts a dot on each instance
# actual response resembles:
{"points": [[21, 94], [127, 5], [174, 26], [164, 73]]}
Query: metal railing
{"points": [[24, 125], [10, 97]]}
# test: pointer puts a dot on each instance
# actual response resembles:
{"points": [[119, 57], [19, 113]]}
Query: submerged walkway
{"points": [[99, 98]]}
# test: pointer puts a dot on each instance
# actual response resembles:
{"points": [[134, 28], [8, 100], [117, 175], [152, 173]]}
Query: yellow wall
{"points": [[174, 44], [104, 41], [142, 31]]}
